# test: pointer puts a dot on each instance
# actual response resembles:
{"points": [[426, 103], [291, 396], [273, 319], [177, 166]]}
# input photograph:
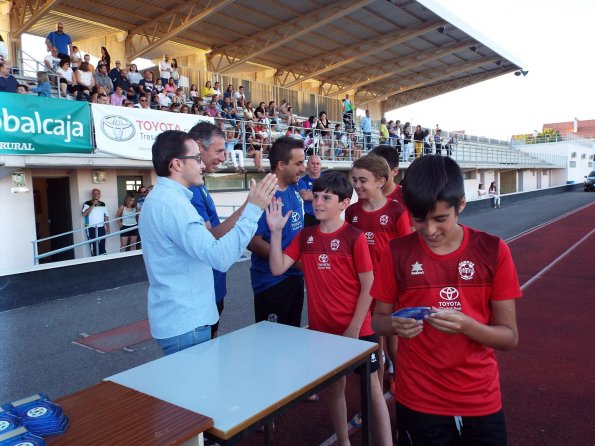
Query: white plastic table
{"points": [[244, 379]]}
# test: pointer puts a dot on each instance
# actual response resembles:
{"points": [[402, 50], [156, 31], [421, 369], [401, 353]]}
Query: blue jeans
{"points": [[186, 340]]}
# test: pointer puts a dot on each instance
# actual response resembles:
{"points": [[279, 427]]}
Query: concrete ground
{"points": [[38, 355]]}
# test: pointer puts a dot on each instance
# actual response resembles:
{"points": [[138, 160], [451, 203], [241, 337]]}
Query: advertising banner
{"points": [[130, 132], [30, 125]]}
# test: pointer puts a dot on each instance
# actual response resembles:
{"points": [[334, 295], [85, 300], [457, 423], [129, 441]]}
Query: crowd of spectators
{"points": [[247, 126]]}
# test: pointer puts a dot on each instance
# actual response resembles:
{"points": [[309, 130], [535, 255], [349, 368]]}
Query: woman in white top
{"points": [[175, 74], [134, 76], [84, 77], [129, 214], [67, 80]]}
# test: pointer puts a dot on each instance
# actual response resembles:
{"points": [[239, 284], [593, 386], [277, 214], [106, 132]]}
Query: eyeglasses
{"points": [[142, 100], [190, 157]]}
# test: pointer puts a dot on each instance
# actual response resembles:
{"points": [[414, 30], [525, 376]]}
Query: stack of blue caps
{"points": [[20, 436]]}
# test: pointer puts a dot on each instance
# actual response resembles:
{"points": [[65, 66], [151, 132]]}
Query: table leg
{"points": [[365, 402]]}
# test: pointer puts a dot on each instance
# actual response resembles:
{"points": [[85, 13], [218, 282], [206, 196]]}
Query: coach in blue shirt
{"points": [[179, 251], [211, 143]]}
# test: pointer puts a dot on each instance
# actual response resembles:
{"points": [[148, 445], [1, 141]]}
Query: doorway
{"points": [[128, 185], [53, 216]]}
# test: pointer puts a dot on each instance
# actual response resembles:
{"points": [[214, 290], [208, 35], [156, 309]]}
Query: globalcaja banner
{"points": [[130, 132], [30, 125]]}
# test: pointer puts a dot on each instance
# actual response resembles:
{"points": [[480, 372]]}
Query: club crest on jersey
{"points": [[310, 240], [450, 298], [417, 269], [354, 219], [335, 244], [466, 270], [323, 262], [369, 237], [384, 219]]}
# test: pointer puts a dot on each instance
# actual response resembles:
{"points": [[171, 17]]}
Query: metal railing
{"points": [[27, 68], [35, 243]]}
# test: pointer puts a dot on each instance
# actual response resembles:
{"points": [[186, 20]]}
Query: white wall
{"points": [[17, 224]]}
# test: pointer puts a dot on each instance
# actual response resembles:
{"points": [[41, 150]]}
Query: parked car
{"points": [[590, 182]]}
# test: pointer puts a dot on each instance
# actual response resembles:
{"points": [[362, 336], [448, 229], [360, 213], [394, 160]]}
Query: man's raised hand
{"points": [[275, 218]]}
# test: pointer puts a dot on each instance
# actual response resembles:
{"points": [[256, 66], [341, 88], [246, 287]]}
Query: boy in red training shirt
{"points": [[338, 272], [447, 382]]}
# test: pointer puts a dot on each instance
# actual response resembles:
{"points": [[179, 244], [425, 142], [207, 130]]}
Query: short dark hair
{"points": [[204, 132], [335, 183], [389, 153], [374, 164], [167, 146], [430, 179], [281, 150]]}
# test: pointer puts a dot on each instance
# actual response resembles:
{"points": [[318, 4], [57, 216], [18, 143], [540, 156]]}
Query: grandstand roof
{"points": [[399, 51]]}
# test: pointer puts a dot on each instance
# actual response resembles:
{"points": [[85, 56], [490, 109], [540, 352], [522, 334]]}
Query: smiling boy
{"points": [[447, 381]]}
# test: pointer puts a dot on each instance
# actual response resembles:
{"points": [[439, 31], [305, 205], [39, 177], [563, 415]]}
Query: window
{"points": [[572, 164]]}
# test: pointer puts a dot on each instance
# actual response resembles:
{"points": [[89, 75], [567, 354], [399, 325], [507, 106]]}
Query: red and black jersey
{"points": [[331, 264], [440, 373], [380, 226]]}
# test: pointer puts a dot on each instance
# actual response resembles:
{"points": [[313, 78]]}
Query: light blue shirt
{"points": [[180, 253], [366, 124]]}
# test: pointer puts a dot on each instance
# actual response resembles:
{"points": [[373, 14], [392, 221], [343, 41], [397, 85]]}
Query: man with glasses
{"points": [[60, 40], [143, 102], [114, 73], [179, 251]]}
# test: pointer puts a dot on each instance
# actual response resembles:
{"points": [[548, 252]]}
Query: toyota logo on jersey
{"points": [[450, 296], [369, 237]]}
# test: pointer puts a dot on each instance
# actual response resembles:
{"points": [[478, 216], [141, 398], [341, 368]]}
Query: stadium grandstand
{"points": [[306, 69]]}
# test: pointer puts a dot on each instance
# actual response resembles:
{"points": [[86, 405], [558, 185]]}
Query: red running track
{"points": [[548, 381]]}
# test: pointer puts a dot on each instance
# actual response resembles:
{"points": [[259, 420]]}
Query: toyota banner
{"points": [[130, 132], [30, 125]]}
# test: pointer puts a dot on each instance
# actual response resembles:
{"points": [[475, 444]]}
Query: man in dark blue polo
{"points": [[8, 83]]}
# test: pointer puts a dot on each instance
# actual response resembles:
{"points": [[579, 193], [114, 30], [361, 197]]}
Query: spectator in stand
{"points": [[229, 93], [175, 74], [143, 102], [43, 89], [193, 93], [341, 145], [393, 134], [146, 87], [52, 61], [234, 148], [214, 113], [102, 99], [84, 77], [102, 79], [84, 94], [427, 142], [240, 95], [260, 112], [170, 87], [165, 69], [438, 141], [366, 126], [60, 40], [452, 144], [249, 112], [217, 89], [228, 111], [22, 89], [418, 138], [179, 97], [207, 92], [87, 59], [313, 172], [163, 99], [494, 195], [115, 72], [158, 86], [240, 106], [67, 80], [324, 131], [262, 134], [283, 112], [185, 109], [407, 146], [215, 99], [254, 145], [122, 80], [383, 129], [272, 112], [117, 98], [128, 103], [195, 110], [134, 76], [348, 109], [131, 95], [75, 58], [174, 108], [105, 58]]}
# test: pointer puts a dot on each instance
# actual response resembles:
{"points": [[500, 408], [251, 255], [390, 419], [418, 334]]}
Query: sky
{"points": [[551, 39]]}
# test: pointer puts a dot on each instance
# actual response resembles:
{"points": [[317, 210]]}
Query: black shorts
{"points": [[215, 326], [281, 303], [374, 362], [417, 428], [133, 233]]}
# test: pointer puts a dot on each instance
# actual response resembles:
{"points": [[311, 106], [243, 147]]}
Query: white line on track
{"points": [[553, 263], [535, 228]]}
